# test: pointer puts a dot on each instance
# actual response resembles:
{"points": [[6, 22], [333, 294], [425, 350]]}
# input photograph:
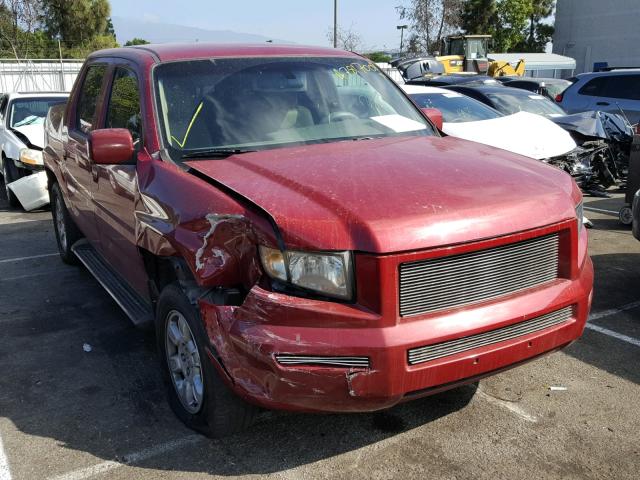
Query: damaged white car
{"points": [[525, 133], [22, 118]]}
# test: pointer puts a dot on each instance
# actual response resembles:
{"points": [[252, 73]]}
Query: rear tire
{"points": [[10, 174], [67, 233], [196, 393]]}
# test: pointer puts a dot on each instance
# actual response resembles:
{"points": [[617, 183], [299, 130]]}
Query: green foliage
{"points": [[136, 41], [32, 28], [516, 25], [378, 57]]}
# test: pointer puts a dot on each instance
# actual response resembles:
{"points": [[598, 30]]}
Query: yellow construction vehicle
{"points": [[469, 53]]}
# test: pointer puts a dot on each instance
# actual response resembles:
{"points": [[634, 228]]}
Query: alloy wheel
{"points": [[183, 360]]}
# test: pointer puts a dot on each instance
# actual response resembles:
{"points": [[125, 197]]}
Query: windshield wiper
{"points": [[216, 153]]}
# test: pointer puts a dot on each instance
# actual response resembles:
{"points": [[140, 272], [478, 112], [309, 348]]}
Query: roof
{"points": [[537, 80], [416, 89], [468, 36], [536, 61], [500, 89], [190, 51], [621, 71], [13, 95]]}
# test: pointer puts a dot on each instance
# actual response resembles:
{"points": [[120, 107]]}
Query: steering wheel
{"points": [[335, 117]]}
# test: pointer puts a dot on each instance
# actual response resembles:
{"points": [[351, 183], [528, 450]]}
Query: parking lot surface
{"points": [[81, 395]]}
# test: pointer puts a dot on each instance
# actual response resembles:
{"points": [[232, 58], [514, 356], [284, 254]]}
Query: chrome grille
{"points": [[355, 362], [444, 349], [438, 283]]}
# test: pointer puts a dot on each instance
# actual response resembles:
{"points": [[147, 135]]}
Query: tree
{"points": [[539, 33], [516, 25], [431, 21], [348, 39], [378, 57], [479, 17], [81, 25], [18, 19], [136, 41]]}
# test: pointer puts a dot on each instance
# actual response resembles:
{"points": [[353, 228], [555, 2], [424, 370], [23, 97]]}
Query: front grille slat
{"points": [[457, 280], [345, 362], [452, 347]]}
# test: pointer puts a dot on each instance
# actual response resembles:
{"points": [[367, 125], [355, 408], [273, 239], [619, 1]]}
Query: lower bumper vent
{"points": [[452, 347], [343, 362]]}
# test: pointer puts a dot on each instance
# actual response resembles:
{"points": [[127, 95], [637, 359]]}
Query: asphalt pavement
{"points": [[81, 396]]}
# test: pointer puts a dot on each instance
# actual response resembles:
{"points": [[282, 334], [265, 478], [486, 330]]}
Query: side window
{"points": [[89, 93], [622, 86], [593, 87], [124, 103]]}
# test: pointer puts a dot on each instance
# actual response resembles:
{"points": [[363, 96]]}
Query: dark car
{"points": [[453, 79], [509, 100], [549, 87], [299, 234]]}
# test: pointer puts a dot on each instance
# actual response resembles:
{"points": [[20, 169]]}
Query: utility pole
{"points": [[401, 28], [61, 66], [335, 23]]}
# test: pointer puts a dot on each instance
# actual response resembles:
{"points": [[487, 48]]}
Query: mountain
{"points": [[156, 32]]}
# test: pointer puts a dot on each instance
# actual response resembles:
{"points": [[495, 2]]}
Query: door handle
{"points": [[603, 103]]}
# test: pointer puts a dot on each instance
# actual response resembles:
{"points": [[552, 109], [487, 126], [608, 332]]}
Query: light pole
{"points": [[401, 28], [335, 23]]}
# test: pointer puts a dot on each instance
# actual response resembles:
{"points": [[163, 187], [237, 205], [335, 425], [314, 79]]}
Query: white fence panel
{"points": [[38, 75]]}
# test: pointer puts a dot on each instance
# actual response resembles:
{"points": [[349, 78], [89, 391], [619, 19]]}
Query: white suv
{"points": [[606, 91]]}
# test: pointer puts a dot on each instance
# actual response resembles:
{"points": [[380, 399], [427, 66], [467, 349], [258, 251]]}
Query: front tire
{"points": [[196, 393], [67, 233], [10, 174]]}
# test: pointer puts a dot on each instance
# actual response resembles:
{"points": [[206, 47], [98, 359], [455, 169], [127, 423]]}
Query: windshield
{"points": [[31, 111], [508, 103], [455, 107], [259, 103]]}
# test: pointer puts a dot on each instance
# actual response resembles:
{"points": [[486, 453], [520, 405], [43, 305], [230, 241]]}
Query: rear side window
{"points": [[593, 87], [89, 93], [124, 103], [622, 86]]}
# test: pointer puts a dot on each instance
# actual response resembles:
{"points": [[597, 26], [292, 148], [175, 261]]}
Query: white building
{"points": [[594, 31]]}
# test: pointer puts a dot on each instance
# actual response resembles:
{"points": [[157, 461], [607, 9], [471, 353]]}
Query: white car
{"points": [[525, 133], [22, 118]]}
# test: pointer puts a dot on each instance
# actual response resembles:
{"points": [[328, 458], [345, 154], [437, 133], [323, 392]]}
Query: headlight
{"points": [[328, 273], [31, 157], [580, 215]]}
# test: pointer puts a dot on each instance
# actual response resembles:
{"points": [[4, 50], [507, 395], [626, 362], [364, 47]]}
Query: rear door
{"points": [[116, 186], [620, 92], [76, 164]]}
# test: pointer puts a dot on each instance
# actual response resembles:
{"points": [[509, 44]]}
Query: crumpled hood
{"points": [[524, 133], [396, 194], [35, 134]]}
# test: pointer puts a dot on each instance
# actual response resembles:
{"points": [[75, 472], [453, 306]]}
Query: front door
{"points": [[117, 185]]}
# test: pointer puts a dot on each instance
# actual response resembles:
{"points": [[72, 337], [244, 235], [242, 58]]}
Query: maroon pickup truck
{"points": [[301, 236]]}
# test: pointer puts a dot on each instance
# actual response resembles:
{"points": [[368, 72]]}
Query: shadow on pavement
{"points": [[617, 283], [110, 401]]}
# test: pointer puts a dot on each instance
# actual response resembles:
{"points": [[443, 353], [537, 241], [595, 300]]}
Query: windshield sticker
{"points": [[398, 123], [451, 95], [353, 69], [186, 134], [536, 97]]}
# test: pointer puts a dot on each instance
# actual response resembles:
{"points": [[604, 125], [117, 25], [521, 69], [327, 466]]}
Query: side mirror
{"points": [[111, 146], [434, 115]]}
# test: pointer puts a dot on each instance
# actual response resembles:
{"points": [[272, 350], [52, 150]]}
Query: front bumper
{"points": [[245, 341]]}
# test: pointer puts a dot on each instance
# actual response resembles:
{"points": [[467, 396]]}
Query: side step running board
{"points": [[136, 308]]}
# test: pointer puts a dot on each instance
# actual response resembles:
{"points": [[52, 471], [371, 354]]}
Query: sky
{"points": [[299, 21]]}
